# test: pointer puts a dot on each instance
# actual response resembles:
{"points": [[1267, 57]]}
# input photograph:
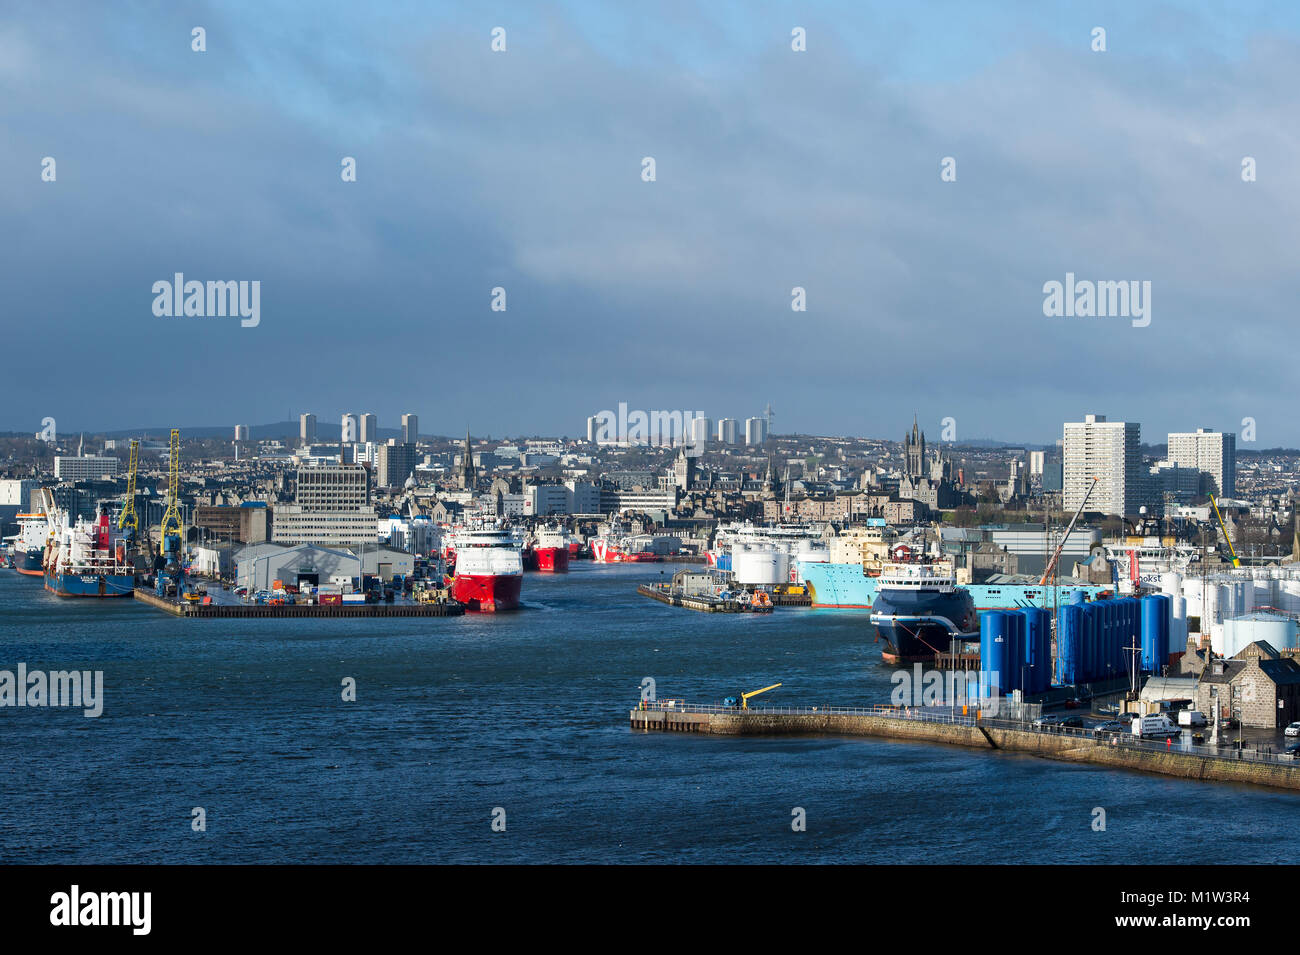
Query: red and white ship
{"points": [[489, 570], [552, 547], [616, 548]]}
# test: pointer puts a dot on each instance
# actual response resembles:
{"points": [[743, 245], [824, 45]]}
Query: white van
{"points": [[1158, 725], [1192, 718]]}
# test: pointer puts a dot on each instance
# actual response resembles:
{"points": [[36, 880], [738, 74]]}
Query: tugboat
{"points": [[918, 611]]}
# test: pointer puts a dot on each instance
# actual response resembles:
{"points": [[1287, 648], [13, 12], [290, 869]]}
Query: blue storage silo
{"points": [[1151, 610], [1069, 626], [1092, 629], [1110, 636], [1038, 648], [993, 640], [1163, 648], [1125, 638], [1017, 651]]}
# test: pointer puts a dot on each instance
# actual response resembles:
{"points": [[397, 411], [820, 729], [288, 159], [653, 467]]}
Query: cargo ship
{"points": [[29, 544], [84, 561], [551, 545], [489, 569], [919, 609]]}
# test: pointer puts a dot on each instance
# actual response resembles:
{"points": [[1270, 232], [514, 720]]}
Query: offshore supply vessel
{"points": [[919, 610], [489, 571]]}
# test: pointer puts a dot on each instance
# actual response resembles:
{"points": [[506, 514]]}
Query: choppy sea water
{"points": [[528, 712]]}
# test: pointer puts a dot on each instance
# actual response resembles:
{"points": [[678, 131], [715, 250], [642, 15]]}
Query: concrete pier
{"points": [[1078, 746], [298, 610]]}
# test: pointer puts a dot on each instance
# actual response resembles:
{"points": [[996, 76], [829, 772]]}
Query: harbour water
{"points": [[528, 712]]}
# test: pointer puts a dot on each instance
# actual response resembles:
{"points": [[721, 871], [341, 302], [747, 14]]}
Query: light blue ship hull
{"points": [[846, 587]]}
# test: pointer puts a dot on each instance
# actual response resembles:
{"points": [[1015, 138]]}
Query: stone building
{"points": [[1258, 686]]}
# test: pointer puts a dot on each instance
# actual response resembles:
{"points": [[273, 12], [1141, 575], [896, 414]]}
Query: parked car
{"points": [[1075, 722], [1047, 720], [1110, 728], [1293, 751], [1293, 729]]}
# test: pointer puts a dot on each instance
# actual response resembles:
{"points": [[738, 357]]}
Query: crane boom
{"points": [[744, 697], [171, 522], [128, 517], [1051, 564], [1236, 562]]}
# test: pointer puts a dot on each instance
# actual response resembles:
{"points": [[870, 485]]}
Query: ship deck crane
{"points": [[1051, 564], [1236, 561]]}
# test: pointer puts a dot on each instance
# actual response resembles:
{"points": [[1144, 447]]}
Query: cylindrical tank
{"points": [[1240, 632], [1150, 632], [1162, 644], [994, 627], [1076, 596], [1171, 582], [1038, 648], [1178, 625], [1088, 658], [1016, 652], [1069, 624], [760, 566]]}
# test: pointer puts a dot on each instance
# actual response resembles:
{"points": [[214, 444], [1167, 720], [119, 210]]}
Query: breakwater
{"points": [[1217, 764]]}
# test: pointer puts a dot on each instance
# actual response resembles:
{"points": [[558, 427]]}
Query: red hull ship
{"points": [[489, 571]]}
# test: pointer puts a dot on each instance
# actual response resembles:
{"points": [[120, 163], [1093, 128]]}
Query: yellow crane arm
{"points": [[1231, 550], [127, 518], [744, 697]]}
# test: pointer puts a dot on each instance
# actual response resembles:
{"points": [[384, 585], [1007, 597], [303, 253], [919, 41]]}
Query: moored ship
{"points": [[489, 569], [29, 544], [82, 560], [551, 545], [919, 610]]}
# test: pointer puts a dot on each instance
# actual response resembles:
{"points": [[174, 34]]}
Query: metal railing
{"points": [[939, 715]]}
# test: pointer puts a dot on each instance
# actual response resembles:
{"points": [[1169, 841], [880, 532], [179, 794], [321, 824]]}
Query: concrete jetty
{"points": [[940, 725], [449, 609]]}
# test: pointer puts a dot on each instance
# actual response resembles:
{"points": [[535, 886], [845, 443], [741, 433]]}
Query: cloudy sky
{"points": [[522, 169]]}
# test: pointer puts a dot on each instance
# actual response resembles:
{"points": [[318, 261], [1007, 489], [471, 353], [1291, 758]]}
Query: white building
{"points": [[727, 430], [1110, 452], [700, 429], [410, 428], [332, 506], [86, 468], [542, 500], [755, 431], [348, 428], [369, 428], [241, 432], [307, 429], [593, 424], [1212, 453]]}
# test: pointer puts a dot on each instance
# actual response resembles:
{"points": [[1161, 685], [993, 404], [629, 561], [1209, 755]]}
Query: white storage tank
{"points": [[764, 566], [1240, 632]]}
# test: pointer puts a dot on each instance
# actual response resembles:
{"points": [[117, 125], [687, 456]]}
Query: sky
{"points": [[774, 169]]}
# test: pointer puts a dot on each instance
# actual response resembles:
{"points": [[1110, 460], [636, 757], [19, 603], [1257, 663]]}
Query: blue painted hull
{"points": [[78, 585]]}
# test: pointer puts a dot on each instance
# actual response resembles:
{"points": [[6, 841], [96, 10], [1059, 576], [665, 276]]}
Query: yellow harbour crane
{"points": [[743, 699], [171, 533], [1236, 562], [128, 516]]}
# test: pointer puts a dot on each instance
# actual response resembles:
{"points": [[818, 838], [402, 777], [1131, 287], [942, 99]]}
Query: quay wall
{"points": [[1069, 748]]}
